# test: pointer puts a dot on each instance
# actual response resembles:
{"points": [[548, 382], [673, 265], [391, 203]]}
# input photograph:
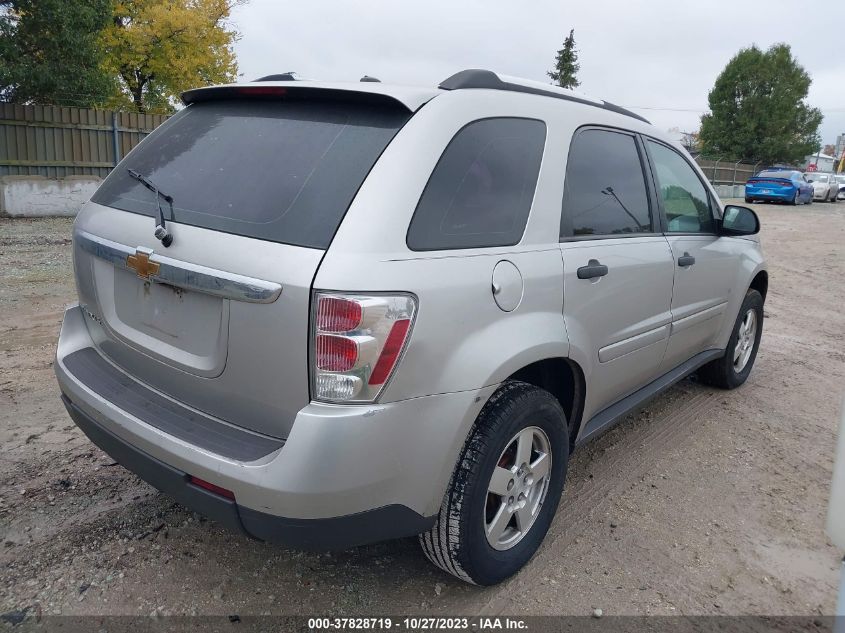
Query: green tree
{"points": [[50, 54], [160, 48], [758, 109], [566, 67]]}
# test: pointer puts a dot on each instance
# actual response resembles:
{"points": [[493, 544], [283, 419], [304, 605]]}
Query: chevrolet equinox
{"points": [[328, 314]]}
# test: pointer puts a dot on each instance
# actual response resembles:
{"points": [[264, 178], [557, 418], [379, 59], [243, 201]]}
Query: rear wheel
{"points": [[748, 200], [505, 488], [732, 369]]}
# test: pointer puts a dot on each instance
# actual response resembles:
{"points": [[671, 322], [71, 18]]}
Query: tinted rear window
{"points": [[285, 172], [481, 190], [789, 175]]}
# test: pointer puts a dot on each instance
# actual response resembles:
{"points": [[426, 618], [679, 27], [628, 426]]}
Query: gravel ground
{"points": [[706, 502]]}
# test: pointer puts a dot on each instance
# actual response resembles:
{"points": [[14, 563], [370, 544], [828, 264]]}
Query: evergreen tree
{"points": [[566, 64]]}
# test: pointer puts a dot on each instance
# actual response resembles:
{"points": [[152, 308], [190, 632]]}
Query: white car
{"points": [[840, 178], [825, 186]]}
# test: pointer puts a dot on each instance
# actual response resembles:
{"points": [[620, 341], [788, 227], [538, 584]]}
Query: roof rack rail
{"points": [[288, 76], [477, 78]]}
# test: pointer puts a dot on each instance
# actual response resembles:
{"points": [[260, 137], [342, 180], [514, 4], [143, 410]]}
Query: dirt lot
{"points": [[707, 502]]}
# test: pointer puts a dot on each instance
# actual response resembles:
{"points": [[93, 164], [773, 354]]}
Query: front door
{"points": [[618, 268], [705, 264]]}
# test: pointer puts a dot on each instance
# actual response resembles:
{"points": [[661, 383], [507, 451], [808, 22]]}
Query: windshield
{"points": [[279, 171]]}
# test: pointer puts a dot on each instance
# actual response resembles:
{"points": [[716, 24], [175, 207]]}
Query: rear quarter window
{"points": [[273, 170], [480, 192]]}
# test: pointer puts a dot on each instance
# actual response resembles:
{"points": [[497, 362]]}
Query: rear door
{"points": [[617, 266], [219, 320], [705, 264]]}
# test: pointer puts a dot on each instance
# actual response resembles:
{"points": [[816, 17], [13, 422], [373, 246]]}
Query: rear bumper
{"points": [[344, 476], [307, 534]]}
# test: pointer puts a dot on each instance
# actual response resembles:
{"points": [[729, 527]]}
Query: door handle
{"points": [[686, 260], [592, 270]]}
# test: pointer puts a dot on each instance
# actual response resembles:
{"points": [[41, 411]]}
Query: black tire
{"points": [[794, 201], [722, 372], [748, 200], [458, 542]]}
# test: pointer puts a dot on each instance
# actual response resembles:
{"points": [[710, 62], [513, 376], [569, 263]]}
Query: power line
{"points": [[824, 110]]}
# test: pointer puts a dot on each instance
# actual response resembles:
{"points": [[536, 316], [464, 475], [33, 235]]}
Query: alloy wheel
{"points": [[517, 488], [745, 340]]}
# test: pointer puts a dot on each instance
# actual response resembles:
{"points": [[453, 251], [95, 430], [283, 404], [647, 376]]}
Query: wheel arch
{"points": [[760, 283], [564, 379]]}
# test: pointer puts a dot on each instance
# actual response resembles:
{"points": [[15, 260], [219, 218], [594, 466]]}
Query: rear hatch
{"points": [[219, 320]]}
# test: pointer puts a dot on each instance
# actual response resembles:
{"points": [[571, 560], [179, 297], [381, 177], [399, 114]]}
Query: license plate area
{"points": [[180, 327]]}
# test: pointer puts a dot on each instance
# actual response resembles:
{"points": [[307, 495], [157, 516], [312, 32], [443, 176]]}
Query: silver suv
{"points": [[331, 314]]}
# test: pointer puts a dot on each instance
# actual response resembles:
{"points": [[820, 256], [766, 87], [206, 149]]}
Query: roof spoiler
{"points": [[293, 92]]}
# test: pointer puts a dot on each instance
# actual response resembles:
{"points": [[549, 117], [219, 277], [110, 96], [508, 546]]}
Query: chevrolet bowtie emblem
{"points": [[141, 264]]}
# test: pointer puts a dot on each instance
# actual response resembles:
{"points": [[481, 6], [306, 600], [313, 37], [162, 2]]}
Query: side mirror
{"points": [[809, 181], [739, 221]]}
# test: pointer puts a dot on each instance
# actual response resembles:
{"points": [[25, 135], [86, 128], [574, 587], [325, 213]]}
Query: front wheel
{"points": [[794, 202], [505, 488], [732, 369]]}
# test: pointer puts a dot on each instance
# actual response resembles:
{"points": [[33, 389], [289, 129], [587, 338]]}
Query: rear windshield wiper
{"points": [[161, 232]]}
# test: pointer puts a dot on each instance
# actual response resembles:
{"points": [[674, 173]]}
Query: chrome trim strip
{"points": [[182, 274]]}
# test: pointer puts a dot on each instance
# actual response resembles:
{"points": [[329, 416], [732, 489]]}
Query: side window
{"points": [[685, 198], [605, 191], [481, 190]]}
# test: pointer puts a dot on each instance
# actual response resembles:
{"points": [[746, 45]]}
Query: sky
{"points": [[658, 57]]}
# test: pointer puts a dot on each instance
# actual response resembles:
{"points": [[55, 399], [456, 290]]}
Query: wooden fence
{"points": [[56, 142]]}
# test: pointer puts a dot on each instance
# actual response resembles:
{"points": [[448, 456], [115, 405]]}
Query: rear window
{"points": [[481, 190], [279, 171], [789, 175]]}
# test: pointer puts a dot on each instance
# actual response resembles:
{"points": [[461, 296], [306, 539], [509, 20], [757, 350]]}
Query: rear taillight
{"points": [[335, 314], [390, 352], [357, 341]]}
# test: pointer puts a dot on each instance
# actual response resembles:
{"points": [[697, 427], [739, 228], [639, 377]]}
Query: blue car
{"points": [[779, 185]]}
